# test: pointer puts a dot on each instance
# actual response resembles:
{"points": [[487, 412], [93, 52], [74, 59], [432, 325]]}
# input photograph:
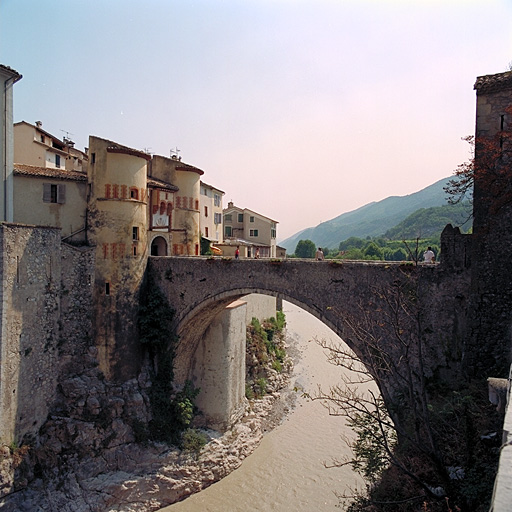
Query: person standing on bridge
{"points": [[429, 256], [237, 253], [319, 254]]}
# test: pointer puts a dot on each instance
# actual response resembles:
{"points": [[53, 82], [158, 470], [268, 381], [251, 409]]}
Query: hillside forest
{"points": [[404, 242]]}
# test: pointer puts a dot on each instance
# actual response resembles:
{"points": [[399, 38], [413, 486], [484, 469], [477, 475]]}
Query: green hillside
{"points": [[430, 222], [373, 219]]}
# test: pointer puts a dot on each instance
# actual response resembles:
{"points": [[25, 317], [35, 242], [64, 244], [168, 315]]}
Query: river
{"points": [[287, 472]]}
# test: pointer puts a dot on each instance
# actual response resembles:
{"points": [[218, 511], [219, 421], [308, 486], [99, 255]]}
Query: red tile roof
{"points": [[153, 182], [48, 172], [490, 83]]}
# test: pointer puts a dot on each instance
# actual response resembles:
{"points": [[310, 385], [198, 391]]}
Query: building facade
{"points": [[210, 206], [35, 146], [8, 77], [253, 233]]}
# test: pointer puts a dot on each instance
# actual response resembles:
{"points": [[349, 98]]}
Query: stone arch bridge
{"points": [[199, 290]]}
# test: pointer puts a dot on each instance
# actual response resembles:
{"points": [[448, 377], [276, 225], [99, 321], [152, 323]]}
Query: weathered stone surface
{"points": [[132, 478]]}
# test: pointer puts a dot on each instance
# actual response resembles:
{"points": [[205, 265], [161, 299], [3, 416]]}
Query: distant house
{"points": [[35, 146], [250, 230], [210, 206]]}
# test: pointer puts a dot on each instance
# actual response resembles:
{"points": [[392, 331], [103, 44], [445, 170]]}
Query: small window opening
{"points": [[107, 288]]}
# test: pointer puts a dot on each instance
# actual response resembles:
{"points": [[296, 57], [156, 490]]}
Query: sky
{"points": [[300, 110]]}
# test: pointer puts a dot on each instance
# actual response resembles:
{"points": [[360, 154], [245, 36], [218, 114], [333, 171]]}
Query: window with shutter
{"points": [[61, 194], [53, 193]]}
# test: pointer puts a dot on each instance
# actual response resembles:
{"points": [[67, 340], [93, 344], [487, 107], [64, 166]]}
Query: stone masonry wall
{"points": [[30, 302]]}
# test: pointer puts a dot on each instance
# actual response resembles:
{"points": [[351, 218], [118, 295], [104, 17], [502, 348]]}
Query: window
{"points": [[228, 217], [135, 233], [134, 249], [206, 231], [253, 232], [251, 218], [206, 211], [134, 193], [93, 158], [54, 193], [107, 288], [216, 199], [217, 218], [57, 160], [228, 231], [240, 217]]}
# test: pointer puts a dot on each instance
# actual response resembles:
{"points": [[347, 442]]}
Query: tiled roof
{"points": [[153, 182], [187, 167], [212, 187], [489, 83], [8, 70], [48, 172]]}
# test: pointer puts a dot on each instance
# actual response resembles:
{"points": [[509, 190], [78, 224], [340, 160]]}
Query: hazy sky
{"points": [[299, 110]]}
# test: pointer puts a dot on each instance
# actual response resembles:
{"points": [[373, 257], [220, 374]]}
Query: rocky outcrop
{"points": [[131, 477], [90, 457]]}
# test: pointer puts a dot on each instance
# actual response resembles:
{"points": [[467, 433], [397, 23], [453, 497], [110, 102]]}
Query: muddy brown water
{"points": [[288, 472]]}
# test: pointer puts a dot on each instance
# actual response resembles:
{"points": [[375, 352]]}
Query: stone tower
{"points": [[491, 294], [117, 227]]}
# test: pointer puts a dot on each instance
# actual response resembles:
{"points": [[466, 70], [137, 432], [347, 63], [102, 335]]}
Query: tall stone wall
{"points": [[489, 347], [30, 314]]}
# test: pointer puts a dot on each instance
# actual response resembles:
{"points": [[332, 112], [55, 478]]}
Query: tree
{"points": [[305, 249], [351, 242], [413, 434], [373, 251], [488, 169]]}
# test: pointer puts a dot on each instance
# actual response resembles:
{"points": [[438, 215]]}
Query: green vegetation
{"points": [[265, 348], [399, 243], [172, 410], [430, 222], [386, 250], [467, 429], [305, 249], [193, 440]]}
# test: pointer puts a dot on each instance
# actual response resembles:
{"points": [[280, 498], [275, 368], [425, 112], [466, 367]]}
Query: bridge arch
{"points": [[193, 324], [199, 289]]}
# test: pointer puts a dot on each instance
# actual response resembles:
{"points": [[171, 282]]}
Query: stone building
{"points": [[185, 222], [35, 146], [491, 315], [210, 205], [8, 77], [253, 233]]}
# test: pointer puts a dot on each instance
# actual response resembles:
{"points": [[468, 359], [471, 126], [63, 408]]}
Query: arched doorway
{"points": [[159, 246]]}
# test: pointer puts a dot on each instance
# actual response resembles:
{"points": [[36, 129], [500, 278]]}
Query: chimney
{"points": [[39, 124], [230, 204]]}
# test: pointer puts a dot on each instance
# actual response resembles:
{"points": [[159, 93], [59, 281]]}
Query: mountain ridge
{"points": [[371, 219]]}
